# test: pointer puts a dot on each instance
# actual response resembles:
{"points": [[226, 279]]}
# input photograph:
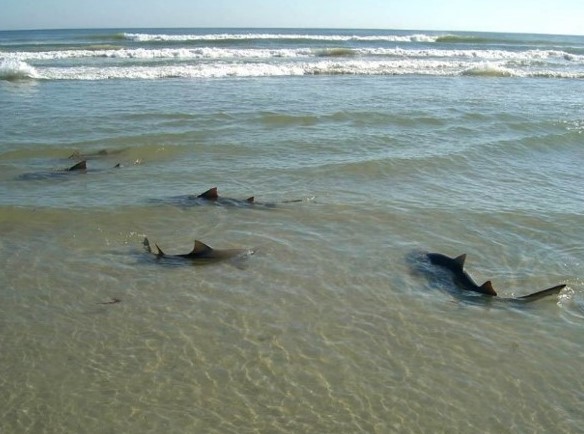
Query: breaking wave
{"points": [[11, 69], [325, 67], [211, 53], [148, 37], [152, 54]]}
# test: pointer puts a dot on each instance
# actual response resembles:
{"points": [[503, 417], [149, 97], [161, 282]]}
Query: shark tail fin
{"points": [[250, 199], [210, 194], [487, 288], [540, 294], [160, 253], [148, 248]]}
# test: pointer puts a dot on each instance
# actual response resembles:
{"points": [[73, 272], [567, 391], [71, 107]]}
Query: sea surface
{"points": [[363, 149]]}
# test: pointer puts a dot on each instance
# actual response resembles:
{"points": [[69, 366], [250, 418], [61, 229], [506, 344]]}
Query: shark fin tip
{"points": [[487, 287]]}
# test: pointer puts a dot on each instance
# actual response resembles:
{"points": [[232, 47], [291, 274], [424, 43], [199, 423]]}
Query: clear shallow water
{"points": [[330, 326]]}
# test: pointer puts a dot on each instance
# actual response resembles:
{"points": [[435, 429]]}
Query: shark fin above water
{"points": [[211, 194], [82, 165], [460, 261], [487, 288], [199, 249]]}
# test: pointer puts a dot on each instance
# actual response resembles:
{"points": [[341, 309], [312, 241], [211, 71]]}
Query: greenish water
{"points": [[330, 326]]}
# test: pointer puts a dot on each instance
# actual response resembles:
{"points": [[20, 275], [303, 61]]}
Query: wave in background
{"points": [[202, 54]]}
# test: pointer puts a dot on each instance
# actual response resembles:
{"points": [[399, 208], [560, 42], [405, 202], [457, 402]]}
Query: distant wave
{"points": [[468, 39], [515, 39], [337, 52], [148, 37], [101, 60], [316, 67], [489, 70], [107, 51]]}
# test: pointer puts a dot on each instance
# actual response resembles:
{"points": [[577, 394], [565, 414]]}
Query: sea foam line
{"points": [[262, 53], [148, 37], [328, 67], [13, 69]]}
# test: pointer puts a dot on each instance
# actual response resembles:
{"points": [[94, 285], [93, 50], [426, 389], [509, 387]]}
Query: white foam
{"points": [[208, 62], [524, 57], [147, 37], [487, 69], [258, 69], [12, 69]]}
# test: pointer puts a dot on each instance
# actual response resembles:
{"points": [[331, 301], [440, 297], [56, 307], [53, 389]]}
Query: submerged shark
{"points": [[77, 155], [212, 197], [80, 167], [463, 281], [202, 254]]}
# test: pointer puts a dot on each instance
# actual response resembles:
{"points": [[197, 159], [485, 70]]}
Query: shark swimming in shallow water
{"points": [[80, 167], [201, 254], [61, 174], [212, 197], [463, 281]]}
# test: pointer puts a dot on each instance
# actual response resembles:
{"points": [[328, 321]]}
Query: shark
{"points": [[77, 168], [202, 254], [212, 197], [463, 280], [80, 167]]}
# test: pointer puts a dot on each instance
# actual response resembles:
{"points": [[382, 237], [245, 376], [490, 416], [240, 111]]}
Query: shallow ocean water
{"points": [[335, 324]]}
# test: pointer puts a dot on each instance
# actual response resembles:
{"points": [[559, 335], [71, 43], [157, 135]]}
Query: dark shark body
{"points": [[463, 281], [77, 168], [212, 197], [80, 167], [459, 276], [201, 254]]}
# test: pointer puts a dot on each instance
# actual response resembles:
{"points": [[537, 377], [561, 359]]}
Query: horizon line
{"points": [[286, 28]]}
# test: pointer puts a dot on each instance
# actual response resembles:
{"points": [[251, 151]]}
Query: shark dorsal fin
{"points": [[460, 260], [210, 194], [250, 199], [82, 165], [487, 288], [200, 249]]}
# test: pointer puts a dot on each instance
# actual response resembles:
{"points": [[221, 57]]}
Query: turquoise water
{"points": [[389, 143]]}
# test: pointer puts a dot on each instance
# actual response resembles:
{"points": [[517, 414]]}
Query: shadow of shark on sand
{"points": [[449, 274]]}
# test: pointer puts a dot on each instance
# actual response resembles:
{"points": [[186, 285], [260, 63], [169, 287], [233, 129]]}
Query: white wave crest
{"points": [[299, 67], [11, 69], [521, 57], [147, 37], [258, 69], [486, 69]]}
